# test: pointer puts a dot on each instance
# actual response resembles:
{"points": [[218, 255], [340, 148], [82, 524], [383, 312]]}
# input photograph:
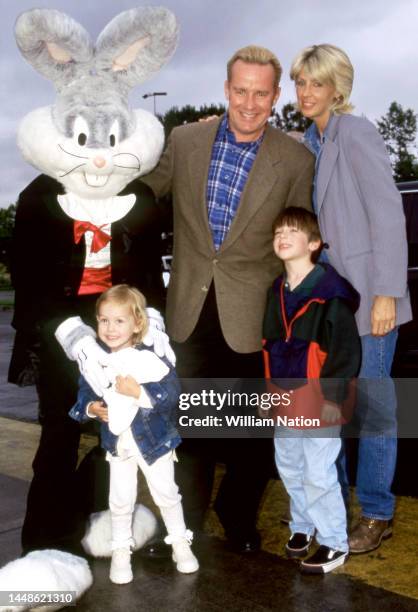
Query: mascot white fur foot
{"points": [[45, 570], [97, 541], [54, 570]]}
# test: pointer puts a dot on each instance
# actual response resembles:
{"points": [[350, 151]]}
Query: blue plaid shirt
{"points": [[229, 168]]}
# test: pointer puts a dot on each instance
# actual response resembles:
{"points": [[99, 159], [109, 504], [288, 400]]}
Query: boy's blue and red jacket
{"points": [[311, 333]]}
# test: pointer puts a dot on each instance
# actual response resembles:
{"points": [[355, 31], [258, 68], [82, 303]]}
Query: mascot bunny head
{"points": [[90, 140]]}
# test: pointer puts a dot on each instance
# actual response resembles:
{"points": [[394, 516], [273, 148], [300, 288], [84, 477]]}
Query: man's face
{"points": [[251, 94]]}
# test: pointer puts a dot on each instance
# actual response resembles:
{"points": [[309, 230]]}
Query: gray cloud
{"points": [[378, 35]]}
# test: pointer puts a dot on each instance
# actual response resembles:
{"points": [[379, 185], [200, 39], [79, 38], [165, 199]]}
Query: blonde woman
{"points": [[361, 219]]}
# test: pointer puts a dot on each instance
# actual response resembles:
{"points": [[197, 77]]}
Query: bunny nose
{"points": [[99, 161]]}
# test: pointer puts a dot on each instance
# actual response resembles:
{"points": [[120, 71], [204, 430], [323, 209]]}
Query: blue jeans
{"points": [[306, 464], [376, 411]]}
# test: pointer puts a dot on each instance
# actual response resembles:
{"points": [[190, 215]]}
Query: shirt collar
{"points": [[313, 139], [308, 283], [226, 135]]}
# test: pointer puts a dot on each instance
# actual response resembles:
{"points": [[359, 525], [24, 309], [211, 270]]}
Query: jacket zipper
{"points": [[289, 324]]}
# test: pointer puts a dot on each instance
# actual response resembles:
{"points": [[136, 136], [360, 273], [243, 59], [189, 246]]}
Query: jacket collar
{"points": [[198, 161], [329, 155], [326, 286], [332, 127]]}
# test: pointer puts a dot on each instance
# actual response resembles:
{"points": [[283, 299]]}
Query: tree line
{"points": [[398, 128]]}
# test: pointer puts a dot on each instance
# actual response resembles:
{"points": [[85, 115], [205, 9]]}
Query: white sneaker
{"points": [[183, 556], [120, 567]]}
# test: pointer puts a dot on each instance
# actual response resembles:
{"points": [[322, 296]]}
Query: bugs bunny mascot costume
{"points": [[83, 225]]}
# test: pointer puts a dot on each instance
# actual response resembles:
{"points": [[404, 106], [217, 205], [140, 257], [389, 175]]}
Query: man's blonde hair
{"points": [[256, 55], [129, 296], [329, 65]]}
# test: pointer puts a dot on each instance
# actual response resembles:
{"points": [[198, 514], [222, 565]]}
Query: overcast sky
{"points": [[378, 35]]}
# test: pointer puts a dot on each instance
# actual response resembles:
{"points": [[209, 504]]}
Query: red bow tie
{"points": [[100, 238]]}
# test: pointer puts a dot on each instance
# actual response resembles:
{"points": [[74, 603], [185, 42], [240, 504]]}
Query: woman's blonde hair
{"points": [[329, 65], [129, 296]]}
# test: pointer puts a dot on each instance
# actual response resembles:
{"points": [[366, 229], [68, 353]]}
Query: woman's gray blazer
{"points": [[361, 216]]}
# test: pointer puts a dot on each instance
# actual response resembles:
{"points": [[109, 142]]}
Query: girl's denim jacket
{"points": [[154, 429]]}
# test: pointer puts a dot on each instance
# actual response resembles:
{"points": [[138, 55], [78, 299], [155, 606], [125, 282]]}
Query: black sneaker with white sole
{"points": [[324, 560], [298, 545]]}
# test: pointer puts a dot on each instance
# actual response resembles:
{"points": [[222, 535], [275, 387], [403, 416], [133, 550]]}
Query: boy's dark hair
{"points": [[304, 220]]}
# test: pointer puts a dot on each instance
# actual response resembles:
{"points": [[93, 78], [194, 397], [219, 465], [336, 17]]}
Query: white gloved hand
{"points": [[92, 363], [79, 344], [157, 337]]}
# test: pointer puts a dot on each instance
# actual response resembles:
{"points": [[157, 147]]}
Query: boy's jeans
{"points": [[376, 410], [306, 464]]}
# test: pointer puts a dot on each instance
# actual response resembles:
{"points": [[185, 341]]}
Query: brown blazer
{"points": [[245, 265]]}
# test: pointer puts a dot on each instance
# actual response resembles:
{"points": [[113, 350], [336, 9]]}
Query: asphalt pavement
{"points": [[15, 402]]}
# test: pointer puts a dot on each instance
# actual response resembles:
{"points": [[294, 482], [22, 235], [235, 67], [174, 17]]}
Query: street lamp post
{"points": [[153, 95]]}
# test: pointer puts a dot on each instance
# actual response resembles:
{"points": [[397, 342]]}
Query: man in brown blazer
{"points": [[229, 178]]}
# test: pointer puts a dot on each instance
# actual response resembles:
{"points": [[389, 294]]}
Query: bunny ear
{"points": [[136, 43], [57, 46]]}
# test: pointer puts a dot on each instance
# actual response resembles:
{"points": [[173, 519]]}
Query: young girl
{"points": [[137, 428]]}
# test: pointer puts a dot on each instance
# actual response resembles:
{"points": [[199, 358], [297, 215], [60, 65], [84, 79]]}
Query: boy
{"points": [[310, 334]]}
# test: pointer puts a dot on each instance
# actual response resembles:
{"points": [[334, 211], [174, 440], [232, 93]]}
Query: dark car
{"points": [[406, 358], [405, 364]]}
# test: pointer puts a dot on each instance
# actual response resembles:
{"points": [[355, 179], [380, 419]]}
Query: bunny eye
{"points": [[81, 131], [114, 133]]}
